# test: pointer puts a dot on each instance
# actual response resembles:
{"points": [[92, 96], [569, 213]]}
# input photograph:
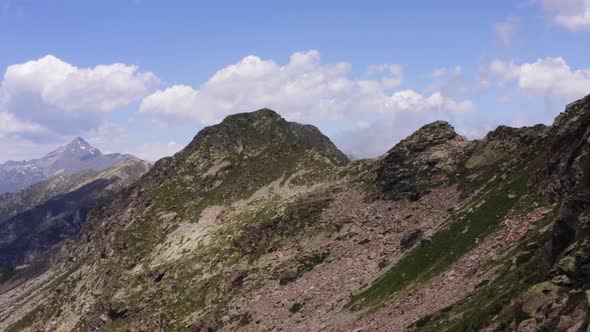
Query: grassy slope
{"points": [[473, 223]]}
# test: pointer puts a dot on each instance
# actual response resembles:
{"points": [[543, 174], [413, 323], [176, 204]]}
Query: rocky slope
{"points": [[12, 204], [44, 214], [73, 158], [263, 225]]}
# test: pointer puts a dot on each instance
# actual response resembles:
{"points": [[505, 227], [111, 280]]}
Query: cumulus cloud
{"points": [[18, 148], [547, 77], [506, 29], [394, 72], [182, 101], [109, 137], [66, 99], [156, 150], [303, 90], [411, 101], [10, 125], [571, 14]]}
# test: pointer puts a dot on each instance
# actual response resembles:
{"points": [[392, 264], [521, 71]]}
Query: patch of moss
{"points": [[309, 262], [245, 319], [296, 307], [423, 321]]}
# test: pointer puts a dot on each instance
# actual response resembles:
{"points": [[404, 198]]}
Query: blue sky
{"points": [[145, 76]]}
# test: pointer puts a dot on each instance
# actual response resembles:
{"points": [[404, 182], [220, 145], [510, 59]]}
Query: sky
{"points": [[143, 77]]}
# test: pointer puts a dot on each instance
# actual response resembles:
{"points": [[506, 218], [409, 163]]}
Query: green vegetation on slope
{"points": [[491, 299], [469, 226]]}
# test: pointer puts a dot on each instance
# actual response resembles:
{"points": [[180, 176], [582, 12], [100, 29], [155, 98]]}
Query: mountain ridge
{"points": [[31, 225], [261, 225], [74, 157]]}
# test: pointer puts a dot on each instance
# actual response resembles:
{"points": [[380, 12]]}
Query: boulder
{"points": [[535, 298], [410, 239]]}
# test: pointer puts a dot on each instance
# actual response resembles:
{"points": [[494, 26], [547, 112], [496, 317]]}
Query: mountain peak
{"points": [[434, 133], [79, 140], [244, 153], [420, 161], [80, 147], [264, 114], [252, 132], [74, 157]]}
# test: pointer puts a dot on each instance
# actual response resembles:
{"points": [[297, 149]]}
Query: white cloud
{"points": [[9, 125], [182, 101], [501, 69], [571, 14], [411, 101], [18, 148], [156, 150], [547, 77], [67, 99], [303, 90], [109, 137], [505, 30], [394, 74]]}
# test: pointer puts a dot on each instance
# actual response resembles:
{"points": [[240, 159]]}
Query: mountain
{"points": [[44, 214], [261, 224], [14, 203], [73, 158]]}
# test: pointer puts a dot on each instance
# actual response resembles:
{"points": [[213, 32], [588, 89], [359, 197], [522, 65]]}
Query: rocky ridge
{"points": [[262, 224]]}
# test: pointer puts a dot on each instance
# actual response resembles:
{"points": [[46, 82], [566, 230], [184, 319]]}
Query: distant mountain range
{"points": [[73, 158], [41, 215]]}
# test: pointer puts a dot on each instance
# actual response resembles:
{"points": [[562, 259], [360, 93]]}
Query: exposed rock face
{"points": [[32, 231], [262, 225], [73, 158], [421, 161], [503, 147], [566, 255]]}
